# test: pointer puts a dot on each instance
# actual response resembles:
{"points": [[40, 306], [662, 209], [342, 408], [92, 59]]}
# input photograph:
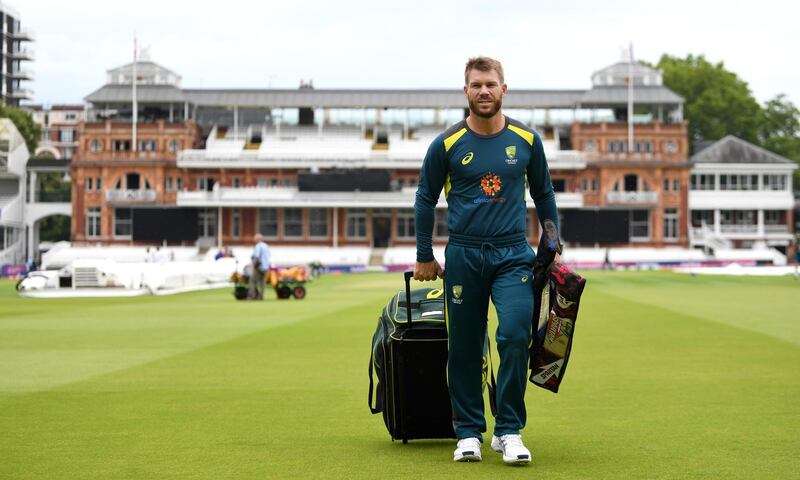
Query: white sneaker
{"points": [[468, 450], [512, 448]]}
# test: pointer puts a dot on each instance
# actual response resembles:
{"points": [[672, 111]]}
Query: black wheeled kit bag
{"points": [[409, 359], [409, 355]]}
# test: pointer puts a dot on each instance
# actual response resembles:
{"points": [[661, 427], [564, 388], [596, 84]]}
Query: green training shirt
{"points": [[484, 179]]}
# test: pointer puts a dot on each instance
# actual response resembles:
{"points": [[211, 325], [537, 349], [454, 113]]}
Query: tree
{"points": [[24, 123], [55, 228], [718, 102], [780, 130]]}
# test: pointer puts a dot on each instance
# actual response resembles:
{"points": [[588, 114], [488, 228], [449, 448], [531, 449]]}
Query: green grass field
{"points": [[671, 377]]}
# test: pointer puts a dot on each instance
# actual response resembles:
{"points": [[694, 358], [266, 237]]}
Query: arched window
{"points": [[631, 183], [132, 181], [96, 145]]}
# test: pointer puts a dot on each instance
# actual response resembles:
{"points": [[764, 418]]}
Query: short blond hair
{"points": [[483, 64]]}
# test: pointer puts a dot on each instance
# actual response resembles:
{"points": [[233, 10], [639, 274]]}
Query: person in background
{"points": [[797, 255], [260, 264], [220, 254]]}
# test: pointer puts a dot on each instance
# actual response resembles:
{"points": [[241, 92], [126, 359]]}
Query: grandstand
{"points": [[330, 175]]}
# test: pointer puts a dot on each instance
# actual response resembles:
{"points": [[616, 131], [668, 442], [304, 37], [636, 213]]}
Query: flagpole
{"points": [[135, 103], [630, 98]]}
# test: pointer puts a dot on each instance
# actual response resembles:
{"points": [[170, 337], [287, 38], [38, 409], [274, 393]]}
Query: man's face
{"points": [[484, 93]]}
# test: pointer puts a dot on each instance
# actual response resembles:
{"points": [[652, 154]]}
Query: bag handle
{"points": [[407, 277], [372, 409]]}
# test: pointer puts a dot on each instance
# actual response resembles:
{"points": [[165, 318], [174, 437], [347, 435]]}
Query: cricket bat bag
{"points": [[558, 293], [409, 361]]}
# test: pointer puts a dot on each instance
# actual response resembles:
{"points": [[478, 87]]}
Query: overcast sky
{"points": [[401, 44]]}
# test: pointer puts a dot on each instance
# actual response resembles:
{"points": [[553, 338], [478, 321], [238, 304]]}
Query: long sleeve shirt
{"points": [[484, 179]]}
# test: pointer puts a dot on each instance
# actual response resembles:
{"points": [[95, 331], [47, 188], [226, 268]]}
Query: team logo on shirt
{"points": [[467, 158], [511, 151]]}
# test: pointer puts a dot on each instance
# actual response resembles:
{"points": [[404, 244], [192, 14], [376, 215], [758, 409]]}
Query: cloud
{"points": [[413, 44]]}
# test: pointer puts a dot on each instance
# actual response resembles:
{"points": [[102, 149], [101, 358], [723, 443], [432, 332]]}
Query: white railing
{"points": [[566, 159], [709, 238], [130, 195], [776, 228], [632, 197], [23, 34], [296, 159], [239, 193], [569, 199], [12, 255], [23, 53], [22, 93], [21, 73], [299, 156], [292, 197], [752, 228]]}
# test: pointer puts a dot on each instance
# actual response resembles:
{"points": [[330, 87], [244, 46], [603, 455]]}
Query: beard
{"points": [[473, 107]]}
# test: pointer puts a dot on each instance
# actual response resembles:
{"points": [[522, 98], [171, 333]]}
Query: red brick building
{"points": [[339, 167], [110, 177]]}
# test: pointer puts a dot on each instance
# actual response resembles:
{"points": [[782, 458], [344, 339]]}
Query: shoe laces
{"points": [[512, 440], [468, 441]]}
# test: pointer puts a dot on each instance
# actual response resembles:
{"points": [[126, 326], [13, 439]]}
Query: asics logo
{"points": [[467, 158]]}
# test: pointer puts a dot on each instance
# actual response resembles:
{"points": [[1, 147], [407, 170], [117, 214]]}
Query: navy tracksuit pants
{"points": [[477, 269]]}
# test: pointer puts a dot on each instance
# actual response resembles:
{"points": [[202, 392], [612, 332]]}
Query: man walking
{"points": [[483, 163], [260, 267]]}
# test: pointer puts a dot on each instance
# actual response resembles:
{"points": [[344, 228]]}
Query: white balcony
{"points": [[21, 74], [632, 198], [741, 200], [22, 93], [133, 196], [773, 229], [24, 34], [748, 228], [772, 233], [331, 152], [292, 197], [300, 158], [569, 200], [23, 54]]}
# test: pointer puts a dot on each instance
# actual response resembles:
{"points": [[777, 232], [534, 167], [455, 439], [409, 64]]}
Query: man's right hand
{"points": [[428, 271]]}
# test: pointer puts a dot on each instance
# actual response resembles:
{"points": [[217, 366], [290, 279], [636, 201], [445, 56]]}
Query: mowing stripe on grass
{"points": [[650, 393]]}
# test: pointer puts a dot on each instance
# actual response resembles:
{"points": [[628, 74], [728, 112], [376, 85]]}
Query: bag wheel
{"points": [[299, 292]]}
